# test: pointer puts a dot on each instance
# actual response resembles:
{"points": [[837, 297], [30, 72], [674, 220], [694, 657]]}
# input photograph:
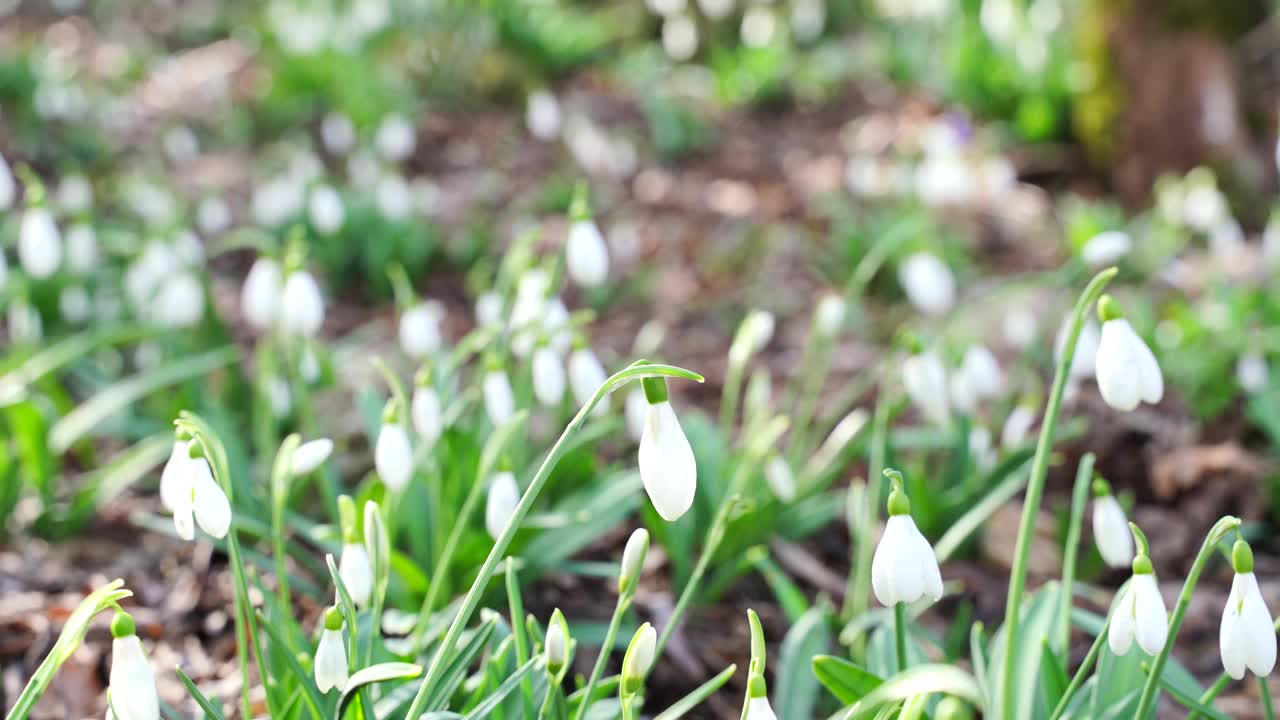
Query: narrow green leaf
{"points": [[848, 682], [381, 672], [210, 710], [305, 681], [922, 680], [693, 699]]}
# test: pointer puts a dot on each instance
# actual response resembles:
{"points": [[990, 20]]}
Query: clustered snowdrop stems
{"points": [[639, 369], [1035, 486], [633, 556], [1219, 531]]}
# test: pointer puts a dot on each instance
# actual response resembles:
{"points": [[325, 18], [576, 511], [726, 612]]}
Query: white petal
{"points": [[504, 495], [261, 295], [983, 371], [586, 256], [925, 380], [356, 573], [548, 376], [1106, 248], [928, 283], [302, 306], [1151, 380], [499, 400], [1150, 616], [311, 455], [781, 480], [39, 244], [1120, 632], [420, 330], [210, 505], [1231, 636], [393, 457], [758, 708], [1117, 367], [929, 571], [1016, 426], [881, 582], [906, 573], [636, 408], [331, 661], [1259, 630], [667, 465], [1111, 532], [174, 478], [325, 210], [132, 682], [427, 415], [586, 375]]}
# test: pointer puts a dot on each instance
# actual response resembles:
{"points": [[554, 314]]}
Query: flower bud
{"points": [[633, 559], [638, 660]]}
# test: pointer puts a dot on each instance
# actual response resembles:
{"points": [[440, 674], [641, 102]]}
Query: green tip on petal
{"points": [[333, 618], [655, 389], [195, 449], [1108, 309], [391, 412], [899, 503], [580, 205], [122, 625], [32, 187], [424, 376], [1242, 557], [1101, 488]]}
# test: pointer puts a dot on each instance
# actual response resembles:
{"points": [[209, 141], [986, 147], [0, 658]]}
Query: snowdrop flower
{"points": [[928, 283], [1203, 206], [260, 297], [636, 408], [180, 301], [1017, 426], [279, 396], [586, 256], [396, 138], [828, 317], [393, 196], [904, 568], [556, 647], [715, 9], [807, 19], [331, 655], [392, 455], [780, 478], [542, 115], [638, 659], [1084, 362], [548, 376], [356, 571], [925, 380], [309, 456], [74, 304], [753, 335], [983, 371], [1252, 372], [132, 684], [758, 708], [277, 200], [325, 210], [1110, 527], [1127, 371], [667, 467], [980, 449], [338, 133], [1106, 248], [301, 305], [8, 186], [196, 497], [633, 559], [504, 495], [1247, 639], [586, 375], [1140, 612], [663, 8], [82, 249], [759, 26], [499, 400], [1019, 328], [213, 216], [39, 244], [489, 309], [173, 476], [420, 334], [529, 311], [679, 36], [426, 413]]}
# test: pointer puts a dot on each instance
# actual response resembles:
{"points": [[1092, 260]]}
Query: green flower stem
{"points": [[858, 598], [1268, 711], [1216, 534], [606, 649], [281, 472], [730, 394], [1083, 672], [1079, 498], [900, 633], [1035, 487], [444, 652], [714, 536]]}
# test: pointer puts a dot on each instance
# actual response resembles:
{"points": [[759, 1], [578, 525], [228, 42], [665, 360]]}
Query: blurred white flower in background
{"points": [[74, 304], [925, 380], [666, 8], [928, 283], [1084, 361], [213, 216], [499, 399], [759, 26], [1019, 327], [1017, 426], [180, 144], [337, 133], [586, 375], [489, 309], [716, 9], [586, 255], [277, 200], [396, 138], [82, 249], [420, 333], [325, 210], [542, 115], [261, 294], [74, 195], [1106, 248], [808, 18], [8, 186], [679, 37], [393, 196], [504, 495], [548, 376], [39, 243], [1252, 372]]}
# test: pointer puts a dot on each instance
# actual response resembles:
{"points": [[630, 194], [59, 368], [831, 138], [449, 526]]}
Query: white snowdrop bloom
{"points": [[393, 196], [759, 26], [980, 449], [1252, 372], [309, 365], [74, 304], [1084, 362], [82, 249], [1271, 241], [556, 646], [1019, 328], [277, 200], [1127, 371], [356, 572], [39, 243], [1204, 206], [944, 178], [633, 558], [542, 115], [925, 380], [586, 375], [667, 466], [780, 478], [983, 371], [639, 658], [758, 708], [260, 297], [279, 397], [325, 210], [1106, 248], [301, 305], [499, 399], [1017, 426], [427, 414], [180, 301], [173, 478], [188, 248], [1247, 638], [556, 325], [8, 186], [132, 684], [1111, 528], [1227, 243], [964, 396], [548, 376], [752, 336], [928, 283], [213, 216], [868, 176], [489, 309], [75, 194], [904, 568], [808, 17], [338, 133], [310, 456], [331, 654], [395, 138], [716, 9], [828, 316], [679, 37], [197, 499], [586, 256], [664, 8], [504, 495], [636, 408], [25, 323], [1140, 615], [393, 455], [420, 333]]}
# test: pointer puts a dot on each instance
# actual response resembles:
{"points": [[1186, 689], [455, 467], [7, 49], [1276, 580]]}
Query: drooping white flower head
{"points": [[983, 371], [427, 414], [74, 304], [1110, 527], [904, 568], [542, 115], [132, 684], [331, 655], [325, 210], [39, 243], [179, 303], [196, 497], [356, 572], [396, 138], [1140, 613], [338, 133], [499, 399], [489, 309], [586, 255], [301, 305], [633, 559], [1127, 371], [501, 503], [1017, 426], [8, 186], [556, 645], [420, 333], [928, 283], [173, 476], [780, 478], [667, 466], [393, 455], [586, 375], [82, 249], [393, 196], [213, 216], [1252, 372], [529, 310], [925, 380], [1106, 248], [636, 408], [829, 315], [1247, 638], [279, 395], [679, 36], [260, 296], [1019, 327], [548, 376], [310, 455]]}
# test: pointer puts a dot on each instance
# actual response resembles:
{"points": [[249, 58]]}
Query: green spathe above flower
{"points": [[904, 568], [1247, 638], [1127, 371], [1110, 527], [132, 684], [667, 465], [1140, 613], [331, 654]]}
